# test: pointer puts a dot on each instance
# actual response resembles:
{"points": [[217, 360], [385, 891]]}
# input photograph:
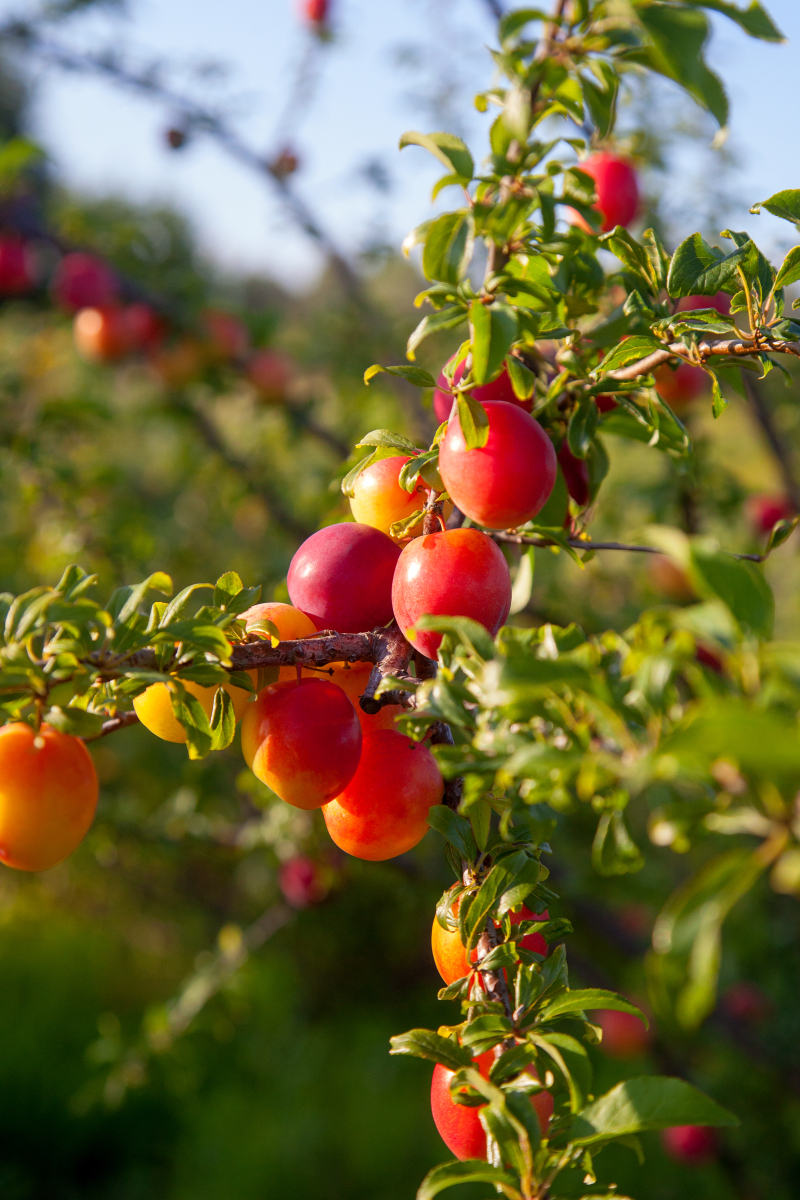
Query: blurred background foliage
{"points": [[281, 1084]]}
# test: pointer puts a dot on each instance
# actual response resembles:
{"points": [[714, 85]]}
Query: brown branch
{"points": [[115, 723], [520, 539], [442, 735], [732, 347]]}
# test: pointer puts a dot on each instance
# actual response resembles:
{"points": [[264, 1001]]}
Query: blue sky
{"points": [[109, 141]]}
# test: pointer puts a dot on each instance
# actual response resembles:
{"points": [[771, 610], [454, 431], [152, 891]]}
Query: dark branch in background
{"points": [[495, 9], [521, 539], [254, 476], [763, 415], [196, 117]]}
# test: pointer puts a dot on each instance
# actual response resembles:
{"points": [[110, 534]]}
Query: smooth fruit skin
{"points": [[576, 474], [617, 189], [720, 301], [342, 577], [353, 678], [455, 573], [303, 740], [269, 374], [101, 334], [694, 1145], [681, 386], [378, 500], [764, 511], [290, 623], [154, 707], [83, 281], [15, 274], [451, 957], [459, 1126], [506, 482], [48, 796], [624, 1035], [497, 389], [383, 810]]}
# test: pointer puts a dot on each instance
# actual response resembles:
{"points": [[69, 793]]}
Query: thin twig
{"points": [[521, 539]]}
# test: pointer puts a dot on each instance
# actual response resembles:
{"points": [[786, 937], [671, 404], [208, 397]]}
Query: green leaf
{"points": [[790, 269], [456, 830], [189, 712], [387, 438], [197, 634], [473, 421], [471, 634], [651, 1102], [471, 1170], [601, 99], [448, 247], [785, 204], [588, 998], [523, 380], [754, 19], [678, 35], [718, 401], [424, 1043], [486, 1031], [449, 149], [415, 375], [582, 427], [698, 269], [631, 350], [226, 587], [223, 720], [494, 328], [177, 607], [437, 322], [75, 721], [523, 583], [739, 584], [780, 531]]}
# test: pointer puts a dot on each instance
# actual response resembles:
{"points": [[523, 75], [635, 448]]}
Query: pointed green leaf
{"points": [[471, 1170], [651, 1102], [449, 149]]}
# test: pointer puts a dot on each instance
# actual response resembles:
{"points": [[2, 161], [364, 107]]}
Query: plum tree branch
{"points": [[731, 347], [521, 539]]}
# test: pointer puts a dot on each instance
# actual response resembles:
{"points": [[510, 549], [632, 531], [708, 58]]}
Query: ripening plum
{"points": [[269, 374], [681, 386], [144, 326], [353, 678], [291, 625], [720, 301], [83, 281], [693, 1145], [227, 336], [378, 499], [102, 334], [154, 707], [383, 810], [342, 577], [303, 740], [459, 1125], [301, 882], [496, 389], [48, 796], [616, 187], [576, 474], [456, 573], [316, 11], [178, 362], [505, 482], [624, 1035], [451, 957], [16, 276], [764, 511]]}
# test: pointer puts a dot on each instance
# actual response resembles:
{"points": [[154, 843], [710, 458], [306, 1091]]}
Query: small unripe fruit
{"points": [[497, 389], [83, 281], [342, 577], [383, 810], [694, 1145], [48, 796], [303, 740], [154, 707], [616, 187], [504, 483], [456, 573], [624, 1035], [378, 499]]}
